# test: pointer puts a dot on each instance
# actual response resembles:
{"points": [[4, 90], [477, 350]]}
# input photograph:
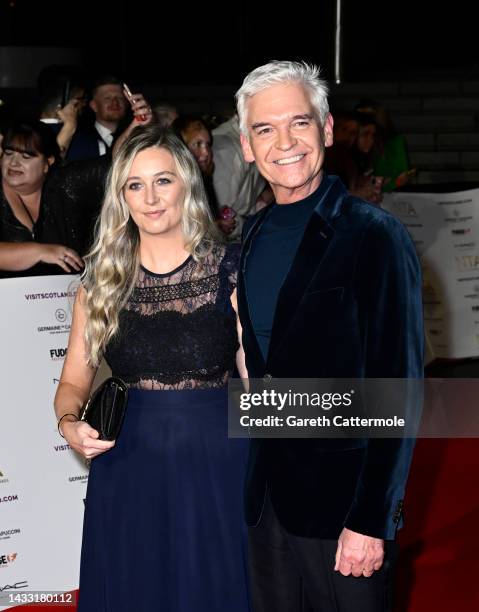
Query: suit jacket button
{"points": [[267, 378]]}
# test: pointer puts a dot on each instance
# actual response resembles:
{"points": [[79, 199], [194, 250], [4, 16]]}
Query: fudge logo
{"points": [[3, 477], [57, 353]]}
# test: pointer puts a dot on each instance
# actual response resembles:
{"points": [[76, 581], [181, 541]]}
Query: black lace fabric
{"points": [[178, 330]]}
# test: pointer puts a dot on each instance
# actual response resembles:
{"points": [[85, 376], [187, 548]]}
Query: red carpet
{"points": [[439, 564]]}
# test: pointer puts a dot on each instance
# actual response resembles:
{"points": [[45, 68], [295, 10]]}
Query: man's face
{"points": [[286, 141], [109, 103]]}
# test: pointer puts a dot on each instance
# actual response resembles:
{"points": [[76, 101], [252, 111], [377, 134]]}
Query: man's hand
{"points": [[358, 554]]}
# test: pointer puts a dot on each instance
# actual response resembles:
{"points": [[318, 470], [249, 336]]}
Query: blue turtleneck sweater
{"points": [[272, 253]]}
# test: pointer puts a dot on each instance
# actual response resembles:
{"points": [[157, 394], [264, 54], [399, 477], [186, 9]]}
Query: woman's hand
{"points": [[62, 256], [143, 115], [84, 439]]}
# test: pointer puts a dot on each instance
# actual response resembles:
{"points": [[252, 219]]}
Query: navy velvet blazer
{"points": [[350, 307]]}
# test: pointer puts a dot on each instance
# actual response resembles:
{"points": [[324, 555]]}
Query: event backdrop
{"points": [[445, 231], [42, 481]]}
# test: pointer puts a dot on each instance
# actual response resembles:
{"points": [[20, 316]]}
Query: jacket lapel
{"points": [[243, 304], [312, 248]]}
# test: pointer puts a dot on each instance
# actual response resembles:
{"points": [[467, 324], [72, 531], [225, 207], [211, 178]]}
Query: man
{"points": [[329, 287], [110, 106]]}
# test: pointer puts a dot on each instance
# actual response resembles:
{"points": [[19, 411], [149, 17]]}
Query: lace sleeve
{"points": [[230, 265]]}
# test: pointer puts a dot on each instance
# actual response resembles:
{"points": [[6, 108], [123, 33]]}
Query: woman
{"points": [[163, 519], [368, 185], [196, 135], [391, 159], [47, 212], [37, 229]]}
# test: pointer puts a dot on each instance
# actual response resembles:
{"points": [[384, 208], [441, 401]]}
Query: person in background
{"points": [[110, 106], [338, 159], [391, 160], [341, 159], [165, 113], [198, 138], [364, 153], [39, 229], [238, 184], [63, 97], [47, 211]]}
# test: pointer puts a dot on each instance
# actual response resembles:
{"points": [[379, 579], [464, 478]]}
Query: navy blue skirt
{"points": [[163, 527]]}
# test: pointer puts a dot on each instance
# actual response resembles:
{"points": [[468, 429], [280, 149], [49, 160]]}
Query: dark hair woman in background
{"points": [[45, 210]]}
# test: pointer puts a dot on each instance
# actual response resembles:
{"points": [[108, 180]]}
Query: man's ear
{"points": [[93, 105], [328, 130], [247, 151]]}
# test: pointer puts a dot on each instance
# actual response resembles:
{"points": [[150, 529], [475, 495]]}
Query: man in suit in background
{"points": [[329, 287], [110, 107]]}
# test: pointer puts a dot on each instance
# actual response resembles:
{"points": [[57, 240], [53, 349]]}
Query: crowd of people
{"points": [[54, 165]]}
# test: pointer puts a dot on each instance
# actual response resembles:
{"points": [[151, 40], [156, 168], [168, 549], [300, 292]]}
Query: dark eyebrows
{"points": [[161, 173]]}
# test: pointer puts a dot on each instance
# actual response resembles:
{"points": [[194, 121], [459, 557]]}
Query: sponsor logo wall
{"points": [[42, 481], [445, 228]]}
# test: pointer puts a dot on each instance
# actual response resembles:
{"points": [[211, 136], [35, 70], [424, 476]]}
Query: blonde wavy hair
{"points": [[112, 265]]}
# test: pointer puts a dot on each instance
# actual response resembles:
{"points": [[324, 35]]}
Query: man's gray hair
{"points": [[276, 73]]}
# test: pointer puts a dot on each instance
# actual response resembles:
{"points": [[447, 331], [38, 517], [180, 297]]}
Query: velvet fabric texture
{"points": [[350, 307]]}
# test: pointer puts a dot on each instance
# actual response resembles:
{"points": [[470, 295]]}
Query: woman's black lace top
{"points": [[178, 330]]}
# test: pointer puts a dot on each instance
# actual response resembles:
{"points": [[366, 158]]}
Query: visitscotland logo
{"points": [[62, 447], [50, 295]]}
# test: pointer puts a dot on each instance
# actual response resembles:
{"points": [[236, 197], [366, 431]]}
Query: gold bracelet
{"points": [[61, 419]]}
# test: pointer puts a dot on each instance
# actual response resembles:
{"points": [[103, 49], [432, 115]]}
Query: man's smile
{"points": [[289, 160]]}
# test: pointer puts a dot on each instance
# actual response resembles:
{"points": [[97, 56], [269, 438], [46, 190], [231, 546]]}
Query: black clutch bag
{"points": [[106, 407]]}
